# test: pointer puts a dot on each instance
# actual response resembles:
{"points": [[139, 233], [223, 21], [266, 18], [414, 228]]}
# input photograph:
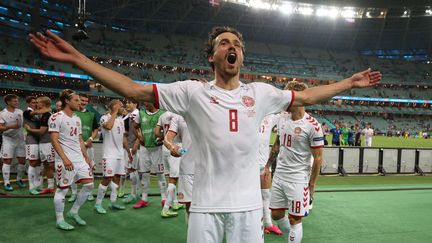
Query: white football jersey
{"points": [[187, 162], [69, 129], [11, 118], [224, 125], [265, 131], [368, 133], [165, 121], [113, 139], [296, 139]]}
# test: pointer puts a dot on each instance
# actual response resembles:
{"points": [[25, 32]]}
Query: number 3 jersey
{"points": [[113, 139], [296, 139], [224, 126], [69, 130]]}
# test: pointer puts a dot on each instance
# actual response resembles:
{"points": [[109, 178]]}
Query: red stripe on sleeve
{"points": [[292, 100], [156, 95]]}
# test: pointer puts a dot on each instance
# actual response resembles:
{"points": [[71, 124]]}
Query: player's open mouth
{"points": [[231, 58]]}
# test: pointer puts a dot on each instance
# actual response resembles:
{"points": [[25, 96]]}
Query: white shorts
{"points": [[185, 188], [113, 166], [32, 151], [241, 227], [173, 166], [13, 147], [65, 178], [134, 164], [46, 152], [368, 142], [150, 160], [290, 196]]}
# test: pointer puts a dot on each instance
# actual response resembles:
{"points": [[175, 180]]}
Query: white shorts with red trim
{"points": [[81, 171], [13, 147], [32, 151], [134, 163], [46, 152], [290, 196], [185, 188], [150, 160], [113, 166]]}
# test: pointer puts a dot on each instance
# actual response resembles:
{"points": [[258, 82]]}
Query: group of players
{"points": [[351, 136], [223, 117]]}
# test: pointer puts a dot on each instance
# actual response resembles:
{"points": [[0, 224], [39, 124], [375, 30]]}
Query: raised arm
{"points": [[54, 47], [322, 93]]}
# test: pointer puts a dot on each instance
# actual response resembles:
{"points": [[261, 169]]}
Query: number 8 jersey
{"points": [[296, 138], [69, 130], [224, 125]]}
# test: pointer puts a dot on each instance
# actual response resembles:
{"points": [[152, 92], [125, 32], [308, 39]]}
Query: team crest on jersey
{"points": [[297, 130], [65, 181], [248, 101]]}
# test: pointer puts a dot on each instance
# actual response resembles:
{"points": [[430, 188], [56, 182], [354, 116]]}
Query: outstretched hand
{"points": [[366, 79], [54, 47]]}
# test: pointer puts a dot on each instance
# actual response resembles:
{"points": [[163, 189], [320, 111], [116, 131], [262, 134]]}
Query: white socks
{"points": [[31, 177], [82, 197], [6, 173], [162, 185], [20, 172], [296, 233], [145, 186], [134, 182], [59, 198], [265, 193], [284, 225], [170, 191], [114, 192], [101, 193]]}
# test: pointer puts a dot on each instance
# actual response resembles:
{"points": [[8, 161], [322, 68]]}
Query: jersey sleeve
{"points": [[175, 97], [316, 136], [44, 120], [273, 100], [174, 124], [2, 120], [103, 119], [160, 120], [54, 123]]}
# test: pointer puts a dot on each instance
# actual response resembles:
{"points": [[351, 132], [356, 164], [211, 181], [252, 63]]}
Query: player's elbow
{"points": [[143, 93]]}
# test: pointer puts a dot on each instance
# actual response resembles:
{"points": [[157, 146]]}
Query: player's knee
{"points": [[294, 219], [88, 186], [277, 214]]}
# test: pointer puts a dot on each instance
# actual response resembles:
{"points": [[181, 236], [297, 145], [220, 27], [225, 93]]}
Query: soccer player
{"points": [[351, 136], [172, 164], [90, 128], [46, 151], [264, 137], [133, 144], [113, 162], [223, 117], [344, 134], [368, 133], [58, 106], [178, 129], [336, 132], [31, 120], [299, 137], [71, 160], [150, 157], [11, 123], [357, 136]]}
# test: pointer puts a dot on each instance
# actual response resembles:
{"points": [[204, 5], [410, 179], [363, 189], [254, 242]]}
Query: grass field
{"points": [[337, 217], [395, 142]]}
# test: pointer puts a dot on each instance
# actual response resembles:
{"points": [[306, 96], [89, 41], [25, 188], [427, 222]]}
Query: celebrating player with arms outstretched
{"points": [[223, 118]]}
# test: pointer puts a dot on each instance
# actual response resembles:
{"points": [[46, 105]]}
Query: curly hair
{"points": [[213, 34], [296, 86]]}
